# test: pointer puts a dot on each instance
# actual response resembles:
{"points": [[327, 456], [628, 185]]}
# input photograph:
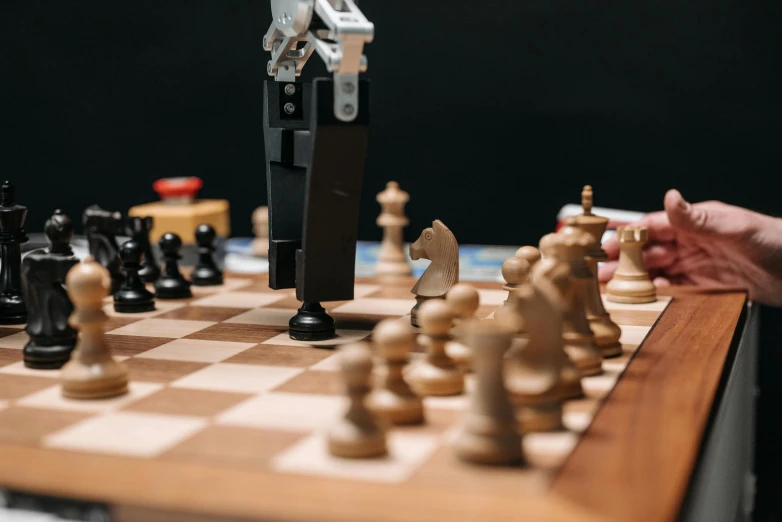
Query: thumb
{"points": [[692, 219]]}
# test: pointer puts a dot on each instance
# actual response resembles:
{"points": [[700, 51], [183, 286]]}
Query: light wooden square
{"points": [[633, 335], [173, 328], [238, 299], [376, 306], [406, 452], [285, 411], [196, 350], [126, 433], [51, 398], [161, 306], [18, 368], [264, 317], [247, 378], [15, 341], [492, 297]]}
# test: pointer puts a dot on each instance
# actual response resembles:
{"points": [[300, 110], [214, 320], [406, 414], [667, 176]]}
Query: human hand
{"points": [[710, 243]]}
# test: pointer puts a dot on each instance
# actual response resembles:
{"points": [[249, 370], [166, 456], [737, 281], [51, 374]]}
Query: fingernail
{"points": [[684, 205]]}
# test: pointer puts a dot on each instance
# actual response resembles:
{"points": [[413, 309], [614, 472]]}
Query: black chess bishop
{"points": [[12, 236], [52, 338], [171, 284], [206, 272], [132, 296], [102, 228], [139, 229]]}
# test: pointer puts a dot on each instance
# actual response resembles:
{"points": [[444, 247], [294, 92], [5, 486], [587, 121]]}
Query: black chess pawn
{"points": [[132, 296], [52, 338], [206, 272], [171, 284], [139, 229], [12, 236]]}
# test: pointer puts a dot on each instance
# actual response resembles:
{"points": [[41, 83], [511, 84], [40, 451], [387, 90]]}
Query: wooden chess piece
{"points": [[206, 272], [438, 244], [171, 284], [532, 373], [515, 271], [102, 228], [530, 254], [606, 332], [132, 296], [631, 283], [91, 373], [392, 260], [489, 433], [579, 339], [12, 236], [554, 274], [52, 338], [463, 301], [139, 229], [437, 374], [358, 434], [260, 244], [393, 401]]}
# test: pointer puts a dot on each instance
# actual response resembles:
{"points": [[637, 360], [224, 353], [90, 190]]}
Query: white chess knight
{"points": [[392, 260]]}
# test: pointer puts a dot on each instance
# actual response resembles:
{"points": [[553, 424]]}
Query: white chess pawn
{"points": [[92, 373], [357, 434], [393, 400], [392, 260], [437, 374], [515, 271], [260, 244], [463, 300]]}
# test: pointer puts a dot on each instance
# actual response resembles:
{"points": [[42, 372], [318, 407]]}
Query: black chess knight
{"points": [[12, 236], [102, 228], [52, 338], [316, 137]]}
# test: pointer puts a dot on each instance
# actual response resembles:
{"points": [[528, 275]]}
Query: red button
{"points": [[178, 187]]}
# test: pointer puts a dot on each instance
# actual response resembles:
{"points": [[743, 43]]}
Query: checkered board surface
{"points": [[215, 380]]}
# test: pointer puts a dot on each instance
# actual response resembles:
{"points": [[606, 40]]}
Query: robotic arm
{"points": [[336, 29]]}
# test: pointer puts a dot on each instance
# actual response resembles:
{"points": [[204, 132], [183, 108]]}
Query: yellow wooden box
{"points": [[182, 219]]}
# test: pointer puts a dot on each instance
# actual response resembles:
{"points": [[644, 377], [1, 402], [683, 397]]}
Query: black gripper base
{"points": [[311, 323]]}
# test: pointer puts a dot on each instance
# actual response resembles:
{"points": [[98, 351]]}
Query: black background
{"points": [[492, 115]]}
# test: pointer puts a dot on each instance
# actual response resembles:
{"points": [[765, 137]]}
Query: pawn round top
{"points": [[58, 228], [261, 215], [394, 339], [529, 253], [392, 194], [548, 244], [130, 252], [88, 283], [205, 235], [435, 317], [515, 271], [355, 360], [170, 243], [463, 300]]}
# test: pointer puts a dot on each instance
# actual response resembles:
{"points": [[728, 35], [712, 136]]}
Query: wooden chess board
{"points": [[225, 419]]}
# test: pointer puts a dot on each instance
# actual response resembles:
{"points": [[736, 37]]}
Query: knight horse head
{"points": [[438, 244]]}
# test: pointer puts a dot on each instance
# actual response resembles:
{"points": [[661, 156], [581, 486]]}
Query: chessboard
{"points": [[225, 418]]}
